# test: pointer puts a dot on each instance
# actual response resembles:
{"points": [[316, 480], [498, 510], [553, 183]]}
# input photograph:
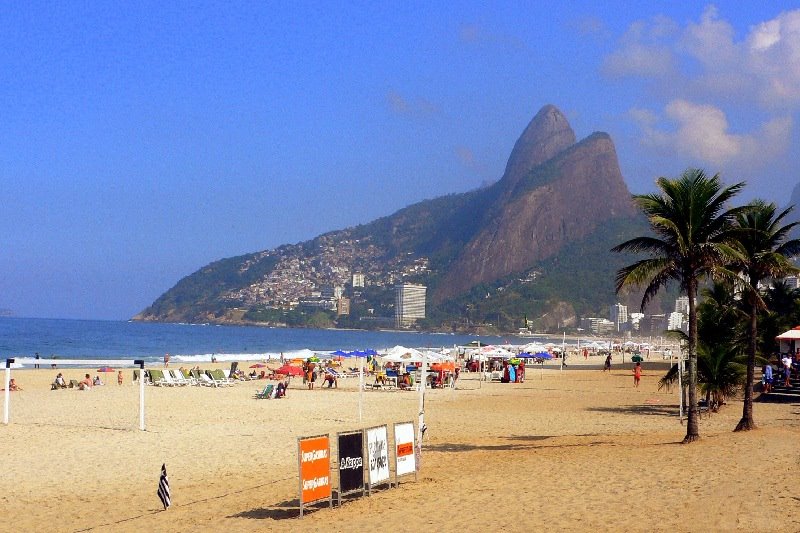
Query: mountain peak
{"points": [[547, 134]]}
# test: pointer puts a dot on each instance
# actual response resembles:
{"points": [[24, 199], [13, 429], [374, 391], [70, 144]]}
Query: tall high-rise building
{"points": [[619, 316], [682, 305], [409, 304], [358, 279]]}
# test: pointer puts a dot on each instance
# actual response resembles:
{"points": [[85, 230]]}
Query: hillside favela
{"points": [[402, 267]]}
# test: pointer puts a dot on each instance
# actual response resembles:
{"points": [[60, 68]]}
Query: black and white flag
{"points": [[163, 487]]}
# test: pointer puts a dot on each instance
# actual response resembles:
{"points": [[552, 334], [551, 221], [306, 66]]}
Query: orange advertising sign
{"points": [[404, 449], [315, 469]]}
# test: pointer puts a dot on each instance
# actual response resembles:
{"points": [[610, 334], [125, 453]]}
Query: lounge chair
{"points": [[178, 377], [265, 394], [189, 378], [157, 378], [168, 378], [216, 378], [219, 376], [203, 378], [73, 384]]}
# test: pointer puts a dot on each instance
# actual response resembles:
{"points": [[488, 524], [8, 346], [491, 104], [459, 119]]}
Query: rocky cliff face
{"points": [[547, 134], [553, 192]]}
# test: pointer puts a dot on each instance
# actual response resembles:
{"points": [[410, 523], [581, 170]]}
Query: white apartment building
{"points": [[619, 316], [358, 279], [409, 304]]}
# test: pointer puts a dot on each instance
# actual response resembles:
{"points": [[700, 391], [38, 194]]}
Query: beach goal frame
{"points": [[128, 363]]}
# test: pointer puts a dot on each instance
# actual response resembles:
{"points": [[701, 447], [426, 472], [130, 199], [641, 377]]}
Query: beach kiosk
{"points": [[788, 340]]}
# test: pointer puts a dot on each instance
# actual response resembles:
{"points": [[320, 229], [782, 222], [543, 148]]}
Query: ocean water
{"points": [[100, 339]]}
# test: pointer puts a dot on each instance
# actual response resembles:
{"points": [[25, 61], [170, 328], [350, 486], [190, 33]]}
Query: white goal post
{"points": [[75, 362]]}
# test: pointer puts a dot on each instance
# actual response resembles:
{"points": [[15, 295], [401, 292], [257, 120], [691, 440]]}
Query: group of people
{"points": [[311, 374], [767, 373], [85, 384]]}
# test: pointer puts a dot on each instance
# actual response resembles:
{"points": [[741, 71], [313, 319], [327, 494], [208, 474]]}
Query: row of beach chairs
{"points": [[181, 378]]}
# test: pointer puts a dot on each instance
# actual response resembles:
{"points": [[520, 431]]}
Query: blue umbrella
{"points": [[543, 355], [340, 353], [526, 355], [370, 351]]}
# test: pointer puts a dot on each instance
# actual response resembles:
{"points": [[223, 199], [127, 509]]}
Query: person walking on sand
{"points": [[637, 374], [166, 360], [607, 365], [119, 377]]}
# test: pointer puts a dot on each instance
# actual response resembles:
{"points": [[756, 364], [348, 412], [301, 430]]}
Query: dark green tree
{"points": [[764, 249], [693, 237]]}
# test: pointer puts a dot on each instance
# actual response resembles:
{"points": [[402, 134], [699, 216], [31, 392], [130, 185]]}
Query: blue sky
{"points": [[140, 142]]}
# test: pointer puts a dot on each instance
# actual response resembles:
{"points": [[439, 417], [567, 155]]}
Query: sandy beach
{"points": [[574, 450]]}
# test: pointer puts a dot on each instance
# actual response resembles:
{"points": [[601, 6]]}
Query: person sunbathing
{"points": [[85, 383], [59, 382], [12, 385]]}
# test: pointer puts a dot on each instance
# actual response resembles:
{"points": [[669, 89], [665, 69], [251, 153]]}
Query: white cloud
{"points": [[704, 59], [701, 133], [644, 51]]}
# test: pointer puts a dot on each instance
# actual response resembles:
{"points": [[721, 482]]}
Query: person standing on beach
{"points": [[607, 365], [787, 370], [166, 360], [766, 378], [119, 378], [37, 360], [637, 374]]}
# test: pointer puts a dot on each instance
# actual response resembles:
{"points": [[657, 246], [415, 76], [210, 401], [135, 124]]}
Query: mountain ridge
{"points": [[554, 191]]}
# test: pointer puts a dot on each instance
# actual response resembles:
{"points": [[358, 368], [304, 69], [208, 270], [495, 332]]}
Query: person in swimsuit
{"points": [[637, 374]]}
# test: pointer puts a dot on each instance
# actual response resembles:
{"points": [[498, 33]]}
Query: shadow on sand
{"points": [[651, 410]]}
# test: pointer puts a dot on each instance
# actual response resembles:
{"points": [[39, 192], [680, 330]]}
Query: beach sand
{"points": [[574, 450]]}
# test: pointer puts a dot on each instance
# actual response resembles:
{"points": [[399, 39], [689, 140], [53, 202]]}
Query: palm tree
{"points": [[763, 248], [693, 237], [720, 372]]}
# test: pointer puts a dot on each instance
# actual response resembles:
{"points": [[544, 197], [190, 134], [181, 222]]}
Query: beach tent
{"points": [[496, 351], [401, 354], [788, 339], [534, 347]]}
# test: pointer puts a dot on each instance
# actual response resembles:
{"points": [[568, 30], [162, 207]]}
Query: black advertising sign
{"points": [[351, 462]]}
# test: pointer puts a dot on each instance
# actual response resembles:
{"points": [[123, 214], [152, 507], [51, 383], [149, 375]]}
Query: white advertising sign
{"points": [[378, 454]]}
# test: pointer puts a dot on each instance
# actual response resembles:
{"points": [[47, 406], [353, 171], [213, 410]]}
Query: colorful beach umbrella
{"points": [[258, 365], [290, 370]]}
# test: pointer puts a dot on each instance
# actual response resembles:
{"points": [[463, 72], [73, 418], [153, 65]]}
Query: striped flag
{"points": [[163, 487]]}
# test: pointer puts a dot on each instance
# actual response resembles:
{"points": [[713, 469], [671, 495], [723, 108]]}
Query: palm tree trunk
{"points": [[747, 423], [692, 427]]}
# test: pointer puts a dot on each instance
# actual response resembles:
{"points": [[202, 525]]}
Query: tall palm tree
{"points": [[693, 237], [764, 250]]}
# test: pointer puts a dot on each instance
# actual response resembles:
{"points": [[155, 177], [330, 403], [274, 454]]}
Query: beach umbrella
{"points": [[258, 365], [542, 355], [313, 359], [106, 369], [290, 370], [341, 353]]}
